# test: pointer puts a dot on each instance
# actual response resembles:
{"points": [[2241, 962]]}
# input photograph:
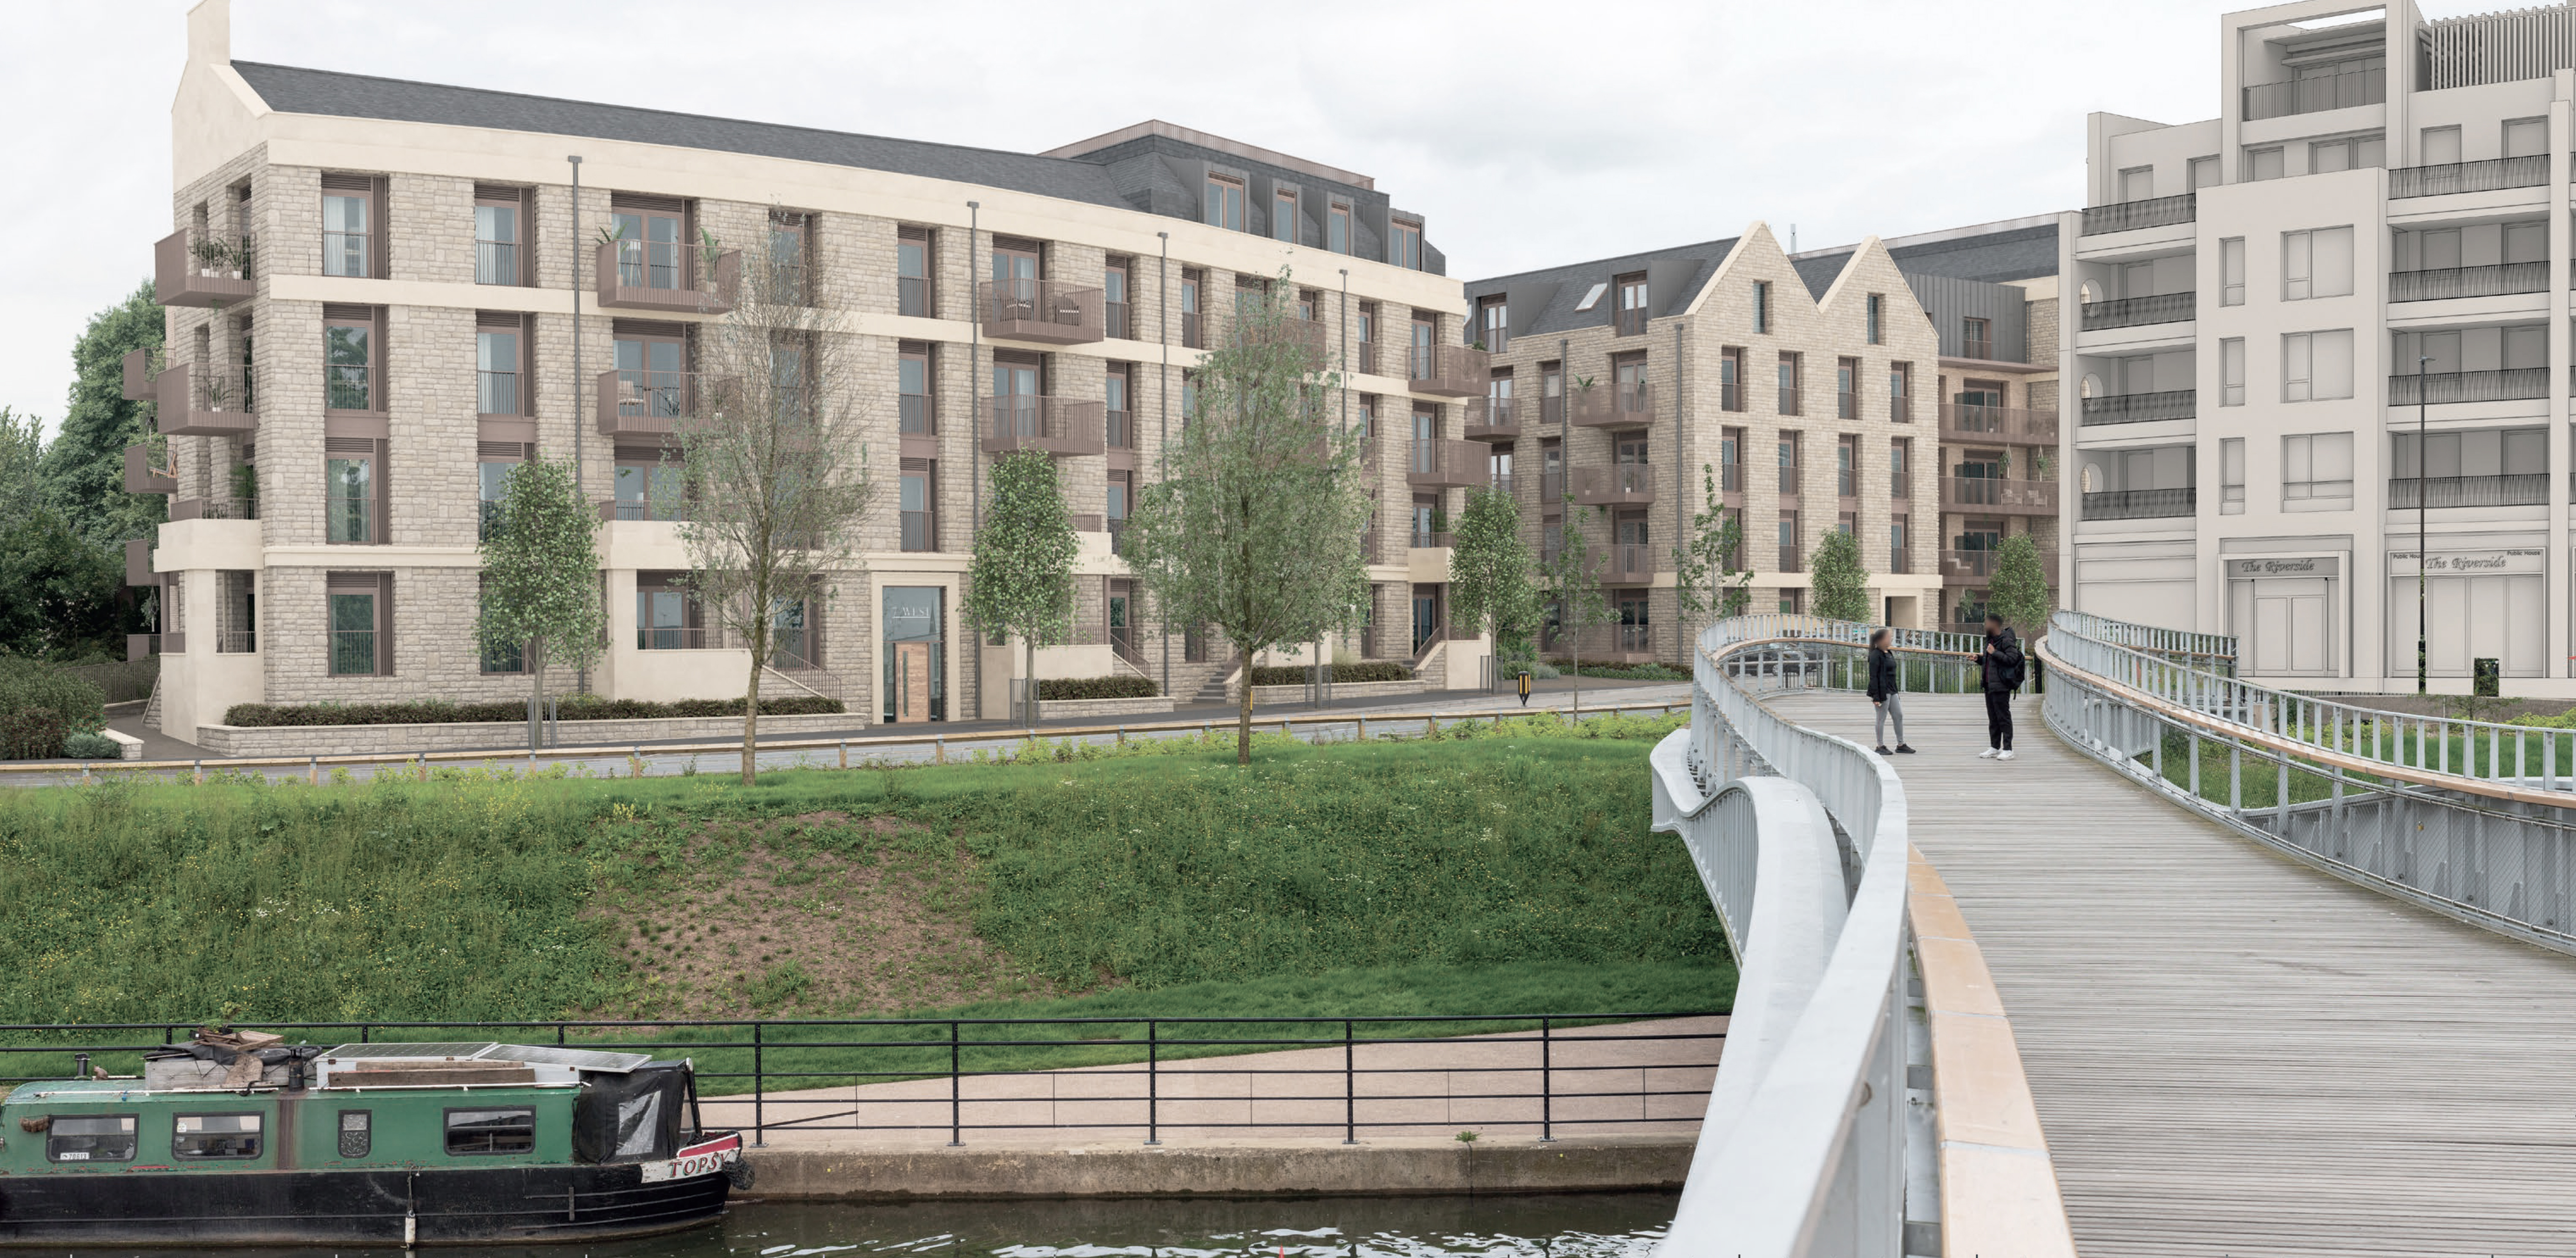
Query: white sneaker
{"points": [[2003, 755], [1988, 754]]}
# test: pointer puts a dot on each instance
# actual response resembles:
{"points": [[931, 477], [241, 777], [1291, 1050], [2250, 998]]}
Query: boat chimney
{"points": [[80, 1065]]}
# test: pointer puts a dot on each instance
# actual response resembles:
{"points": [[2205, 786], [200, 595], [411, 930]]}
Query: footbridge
{"points": [[2207, 969]]}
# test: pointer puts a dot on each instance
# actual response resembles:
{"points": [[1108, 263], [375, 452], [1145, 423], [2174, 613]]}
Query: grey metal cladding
{"points": [[1554, 292], [1950, 302], [2019, 253]]}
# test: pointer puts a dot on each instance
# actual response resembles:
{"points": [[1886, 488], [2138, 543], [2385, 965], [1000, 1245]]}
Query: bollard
{"points": [[1122, 735], [845, 753], [939, 750], [1363, 734], [313, 770], [199, 775], [636, 764]]}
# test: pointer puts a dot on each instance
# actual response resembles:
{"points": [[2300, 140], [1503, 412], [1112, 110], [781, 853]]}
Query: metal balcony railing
{"points": [[1551, 487], [1052, 312], [1788, 559], [1961, 421], [189, 269], [1305, 335], [2121, 216], [2495, 280], [1730, 396], [1449, 370], [2138, 504], [913, 412], [1846, 404], [2139, 408], [237, 642], [1623, 484], [2131, 312], [1022, 421], [639, 403], [1492, 419], [1629, 563], [1981, 347], [2512, 384], [141, 477], [1619, 406], [1998, 495], [496, 261], [1120, 320], [2517, 489], [191, 402], [1790, 401], [1443, 464], [2315, 94], [671, 638], [182, 509], [2490, 175], [1730, 478], [1976, 567], [1628, 322], [632, 510], [920, 530], [666, 276], [1424, 539], [1121, 429]]}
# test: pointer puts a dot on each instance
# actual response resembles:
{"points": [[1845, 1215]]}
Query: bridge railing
{"points": [[2471, 818]]}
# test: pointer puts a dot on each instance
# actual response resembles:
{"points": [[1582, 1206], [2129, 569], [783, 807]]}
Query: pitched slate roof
{"points": [[2017, 249], [1572, 281]]}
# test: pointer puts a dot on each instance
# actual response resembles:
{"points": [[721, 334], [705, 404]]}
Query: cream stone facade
{"points": [[259, 154]]}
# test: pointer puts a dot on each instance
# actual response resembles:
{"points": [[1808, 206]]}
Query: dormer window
{"points": [[1224, 207], [1406, 249]]}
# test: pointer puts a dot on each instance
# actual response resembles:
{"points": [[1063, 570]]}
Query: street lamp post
{"points": [[2423, 489]]}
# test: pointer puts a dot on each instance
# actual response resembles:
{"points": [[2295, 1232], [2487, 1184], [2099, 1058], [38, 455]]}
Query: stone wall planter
{"points": [[499, 737]]}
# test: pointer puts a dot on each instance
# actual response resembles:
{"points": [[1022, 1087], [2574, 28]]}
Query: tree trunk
{"points": [[1243, 719], [536, 693], [1029, 651], [751, 714]]}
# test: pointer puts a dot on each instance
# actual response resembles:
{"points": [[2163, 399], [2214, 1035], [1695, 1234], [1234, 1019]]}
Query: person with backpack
{"points": [[2000, 665], [1884, 689]]}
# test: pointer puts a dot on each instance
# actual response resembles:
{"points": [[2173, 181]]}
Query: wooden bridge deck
{"points": [[2234, 1054]]}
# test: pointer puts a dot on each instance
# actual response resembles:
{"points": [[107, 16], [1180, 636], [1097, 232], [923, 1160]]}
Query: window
{"points": [[89, 1138], [667, 615], [1363, 414], [1876, 319], [2347, 153], [1189, 397], [1900, 392], [652, 248], [1337, 228], [1193, 320], [1896, 528], [1730, 378], [1406, 249], [2204, 173], [1494, 319], [2316, 366], [1762, 305], [650, 381], [1847, 388], [348, 359], [2231, 476], [2263, 164], [790, 238], [214, 1136], [649, 484], [361, 619], [2315, 264], [496, 236], [918, 491], [1976, 338], [1788, 541], [2476, 453], [1113, 281], [1788, 462], [506, 657], [352, 490], [348, 226], [1631, 313], [2316, 471], [1790, 363], [496, 365], [1283, 216], [1847, 465], [2231, 371], [913, 397], [1900, 453], [912, 271], [1224, 203], [481, 1131], [495, 460], [2231, 271]]}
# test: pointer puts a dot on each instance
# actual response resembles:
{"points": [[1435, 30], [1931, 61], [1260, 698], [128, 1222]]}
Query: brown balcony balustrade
{"points": [[1305, 335], [1997, 496], [639, 403], [2342, 85], [1051, 312], [1492, 419], [143, 646], [920, 530], [1977, 567], [2150, 504], [641, 510], [1120, 320], [1551, 487], [2500, 279], [182, 509], [191, 403], [1086, 521], [141, 477], [1424, 539], [667, 276], [2004, 425], [1367, 355], [202, 269], [1628, 563], [1449, 370], [142, 369], [1501, 483], [1442, 464], [2508, 384], [1975, 347], [138, 564], [1621, 406], [1619, 485], [1026, 421]]}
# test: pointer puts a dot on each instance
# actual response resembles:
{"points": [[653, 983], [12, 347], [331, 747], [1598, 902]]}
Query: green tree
{"points": [[1572, 588], [1254, 529], [58, 590], [1489, 571], [22, 456], [2019, 591], [1021, 579], [1706, 581], [540, 598], [1840, 583], [85, 465]]}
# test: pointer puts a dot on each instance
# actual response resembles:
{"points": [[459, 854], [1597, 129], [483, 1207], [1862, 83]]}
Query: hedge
{"points": [[1365, 670], [1122, 686], [438, 712], [41, 705]]}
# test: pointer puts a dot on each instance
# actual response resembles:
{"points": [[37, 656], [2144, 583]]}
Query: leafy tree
{"points": [[773, 447], [1706, 581], [1489, 571], [1021, 579], [1254, 529], [2019, 591], [1573, 589], [540, 574], [58, 590], [85, 465], [1841, 584], [22, 455]]}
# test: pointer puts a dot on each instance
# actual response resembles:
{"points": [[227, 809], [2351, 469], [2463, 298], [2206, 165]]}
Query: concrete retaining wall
{"points": [[1421, 1166], [1265, 696], [1102, 709], [363, 740]]}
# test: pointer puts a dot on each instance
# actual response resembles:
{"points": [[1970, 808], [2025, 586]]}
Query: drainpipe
{"points": [[1163, 409], [581, 681], [1681, 498], [974, 423]]}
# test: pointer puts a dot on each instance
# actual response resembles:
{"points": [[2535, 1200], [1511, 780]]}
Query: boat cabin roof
{"points": [[440, 1065]]}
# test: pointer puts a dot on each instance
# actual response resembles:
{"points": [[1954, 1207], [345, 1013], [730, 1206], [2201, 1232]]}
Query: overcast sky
{"points": [[1527, 133]]}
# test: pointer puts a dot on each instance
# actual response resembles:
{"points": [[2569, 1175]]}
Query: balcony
{"points": [[2315, 94], [1492, 419], [1997, 496], [1974, 347], [1790, 401], [1632, 644], [1730, 395], [675, 638], [2010, 425], [183, 509], [648, 403], [143, 646], [1086, 522], [1627, 563], [2122, 216], [1628, 322], [2517, 489], [1442, 464], [1449, 370], [1501, 483], [1304, 335], [1367, 364], [215, 404], [138, 564], [2139, 504], [1424, 539], [1050, 312], [141, 477], [1619, 485], [142, 369], [1622, 406], [638, 510], [208, 270], [2139, 408], [2133, 312], [1023, 421], [2497, 280], [666, 277], [1551, 487], [1977, 567], [915, 415], [2513, 384], [1730, 483], [2490, 175]]}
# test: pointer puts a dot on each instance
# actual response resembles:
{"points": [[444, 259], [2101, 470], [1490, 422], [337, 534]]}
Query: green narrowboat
{"points": [[244, 1141]]}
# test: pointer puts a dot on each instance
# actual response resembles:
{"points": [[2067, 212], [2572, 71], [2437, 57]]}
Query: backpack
{"points": [[2016, 666]]}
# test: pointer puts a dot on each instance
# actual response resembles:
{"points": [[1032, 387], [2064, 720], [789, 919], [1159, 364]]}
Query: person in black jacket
{"points": [[2000, 665], [1884, 689]]}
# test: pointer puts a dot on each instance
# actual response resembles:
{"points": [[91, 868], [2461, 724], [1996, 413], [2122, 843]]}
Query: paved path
{"points": [[2233, 1054], [1640, 1078]]}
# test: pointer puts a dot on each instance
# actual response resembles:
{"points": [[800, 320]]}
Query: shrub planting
{"points": [[1123, 686], [1366, 670], [92, 747], [41, 705], [436, 712]]}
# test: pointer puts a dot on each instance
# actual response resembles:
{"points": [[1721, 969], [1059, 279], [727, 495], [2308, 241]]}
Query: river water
{"points": [[1585, 1225]]}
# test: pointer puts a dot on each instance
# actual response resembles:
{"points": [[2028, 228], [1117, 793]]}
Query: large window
{"points": [[1119, 412], [90, 1138], [917, 492], [1223, 206], [352, 490], [1113, 277], [2346, 153], [1193, 317], [1337, 228], [486, 1131], [2231, 271], [2231, 476], [1790, 363], [2316, 471], [913, 396], [667, 618], [912, 271], [207, 1137], [348, 226], [790, 242], [1283, 216], [2316, 366], [497, 233], [1405, 250], [349, 378], [2231, 371], [497, 364], [651, 250], [361, 616], [649, 485], [2314, 264]]}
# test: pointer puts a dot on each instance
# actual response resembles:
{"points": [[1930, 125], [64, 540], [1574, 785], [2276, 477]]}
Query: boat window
{"points": [[215, 1136], [471, 1131], [90, 1138], [355, 1132]]}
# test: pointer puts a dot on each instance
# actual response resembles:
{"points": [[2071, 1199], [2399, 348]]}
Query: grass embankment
{"points": [[1507, 871]]}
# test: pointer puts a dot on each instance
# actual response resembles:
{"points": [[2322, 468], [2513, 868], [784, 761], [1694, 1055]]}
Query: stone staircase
{"points": [[152, 706]]}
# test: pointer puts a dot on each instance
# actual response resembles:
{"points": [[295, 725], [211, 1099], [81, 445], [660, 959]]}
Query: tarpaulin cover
{"points": [[631, 1117]]}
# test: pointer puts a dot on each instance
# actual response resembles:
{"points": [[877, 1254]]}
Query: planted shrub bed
{"points": [[1119, 687], [434, 712], [1366, 670], [41, 706]]}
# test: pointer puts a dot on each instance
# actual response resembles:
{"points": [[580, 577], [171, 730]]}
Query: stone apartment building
{"points": [[1614, 382], [2342, 305], [414, 299]]}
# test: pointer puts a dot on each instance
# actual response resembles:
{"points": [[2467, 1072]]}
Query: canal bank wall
{"points": [[1401, 1166]]}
